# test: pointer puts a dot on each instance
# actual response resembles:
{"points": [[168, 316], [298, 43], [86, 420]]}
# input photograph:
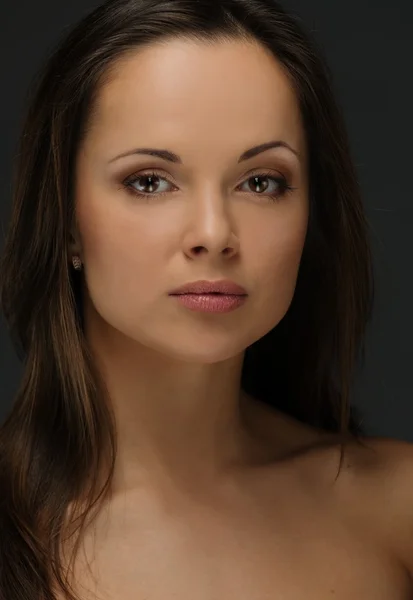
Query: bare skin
{"points": [[215, 495], [281, 529]]}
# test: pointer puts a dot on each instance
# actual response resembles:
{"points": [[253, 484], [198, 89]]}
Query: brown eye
{"points": [[149, 183], [149, 180], [258, 184]]}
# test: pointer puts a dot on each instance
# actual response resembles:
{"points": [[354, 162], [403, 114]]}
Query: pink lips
{"points": [[210, 303], [211, 296], [223, 286]]}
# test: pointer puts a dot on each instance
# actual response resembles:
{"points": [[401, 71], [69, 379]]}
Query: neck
{"points": [[177, 421]]}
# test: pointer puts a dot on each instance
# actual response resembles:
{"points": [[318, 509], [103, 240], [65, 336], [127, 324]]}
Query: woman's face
{"points": [[205, 216]]}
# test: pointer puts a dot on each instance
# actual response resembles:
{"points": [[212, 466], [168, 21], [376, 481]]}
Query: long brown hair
{"points": [[60, 430]]}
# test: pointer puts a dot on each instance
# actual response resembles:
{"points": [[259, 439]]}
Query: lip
{"points": [[211, 303], [222, 286]]}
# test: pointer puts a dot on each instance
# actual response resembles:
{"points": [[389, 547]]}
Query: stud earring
{"points": [[77, 263]]}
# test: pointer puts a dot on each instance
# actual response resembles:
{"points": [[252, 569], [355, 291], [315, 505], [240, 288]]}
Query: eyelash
{"points": [[276, 197]]}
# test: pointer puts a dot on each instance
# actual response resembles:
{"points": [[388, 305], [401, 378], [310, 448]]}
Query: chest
{"points": [[289, 549]]}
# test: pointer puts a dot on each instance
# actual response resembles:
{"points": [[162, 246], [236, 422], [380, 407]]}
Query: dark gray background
{"points": [[369, 46]]}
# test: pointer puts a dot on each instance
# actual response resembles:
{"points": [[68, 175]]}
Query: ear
{"points": [[74, 246]]}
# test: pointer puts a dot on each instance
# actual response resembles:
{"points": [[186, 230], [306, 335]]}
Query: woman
{"points": [[197, 439]]}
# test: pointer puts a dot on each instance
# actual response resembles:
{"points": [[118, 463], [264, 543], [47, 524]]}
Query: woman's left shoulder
{"points": [[388, 463], [385, 475]]}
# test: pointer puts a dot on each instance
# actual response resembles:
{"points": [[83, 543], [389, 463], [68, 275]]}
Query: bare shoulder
{"points": [[396, 457], [380, 470], [375, 488]]}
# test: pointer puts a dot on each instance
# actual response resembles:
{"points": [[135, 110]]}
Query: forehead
{"points": [[192, 93]]}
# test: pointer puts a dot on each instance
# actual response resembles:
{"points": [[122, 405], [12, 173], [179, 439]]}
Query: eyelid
{"points": [[286, 173]]}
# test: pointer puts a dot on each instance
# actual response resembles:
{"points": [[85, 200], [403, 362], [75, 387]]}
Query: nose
{"points": [[211, 230]]}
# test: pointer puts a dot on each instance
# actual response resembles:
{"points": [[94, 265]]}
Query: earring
{"points": [[77, 263]]}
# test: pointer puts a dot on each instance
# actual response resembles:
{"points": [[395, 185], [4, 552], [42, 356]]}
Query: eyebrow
{"points": [[172, 157]]}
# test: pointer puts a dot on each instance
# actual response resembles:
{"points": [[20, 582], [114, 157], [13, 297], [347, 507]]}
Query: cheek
{"points": [[277, 253], [121, 253]]}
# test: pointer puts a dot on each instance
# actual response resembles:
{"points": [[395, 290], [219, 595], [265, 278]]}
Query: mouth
{"points": [[223, 287], [210, 302], [206, 294], [210, 295]]}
